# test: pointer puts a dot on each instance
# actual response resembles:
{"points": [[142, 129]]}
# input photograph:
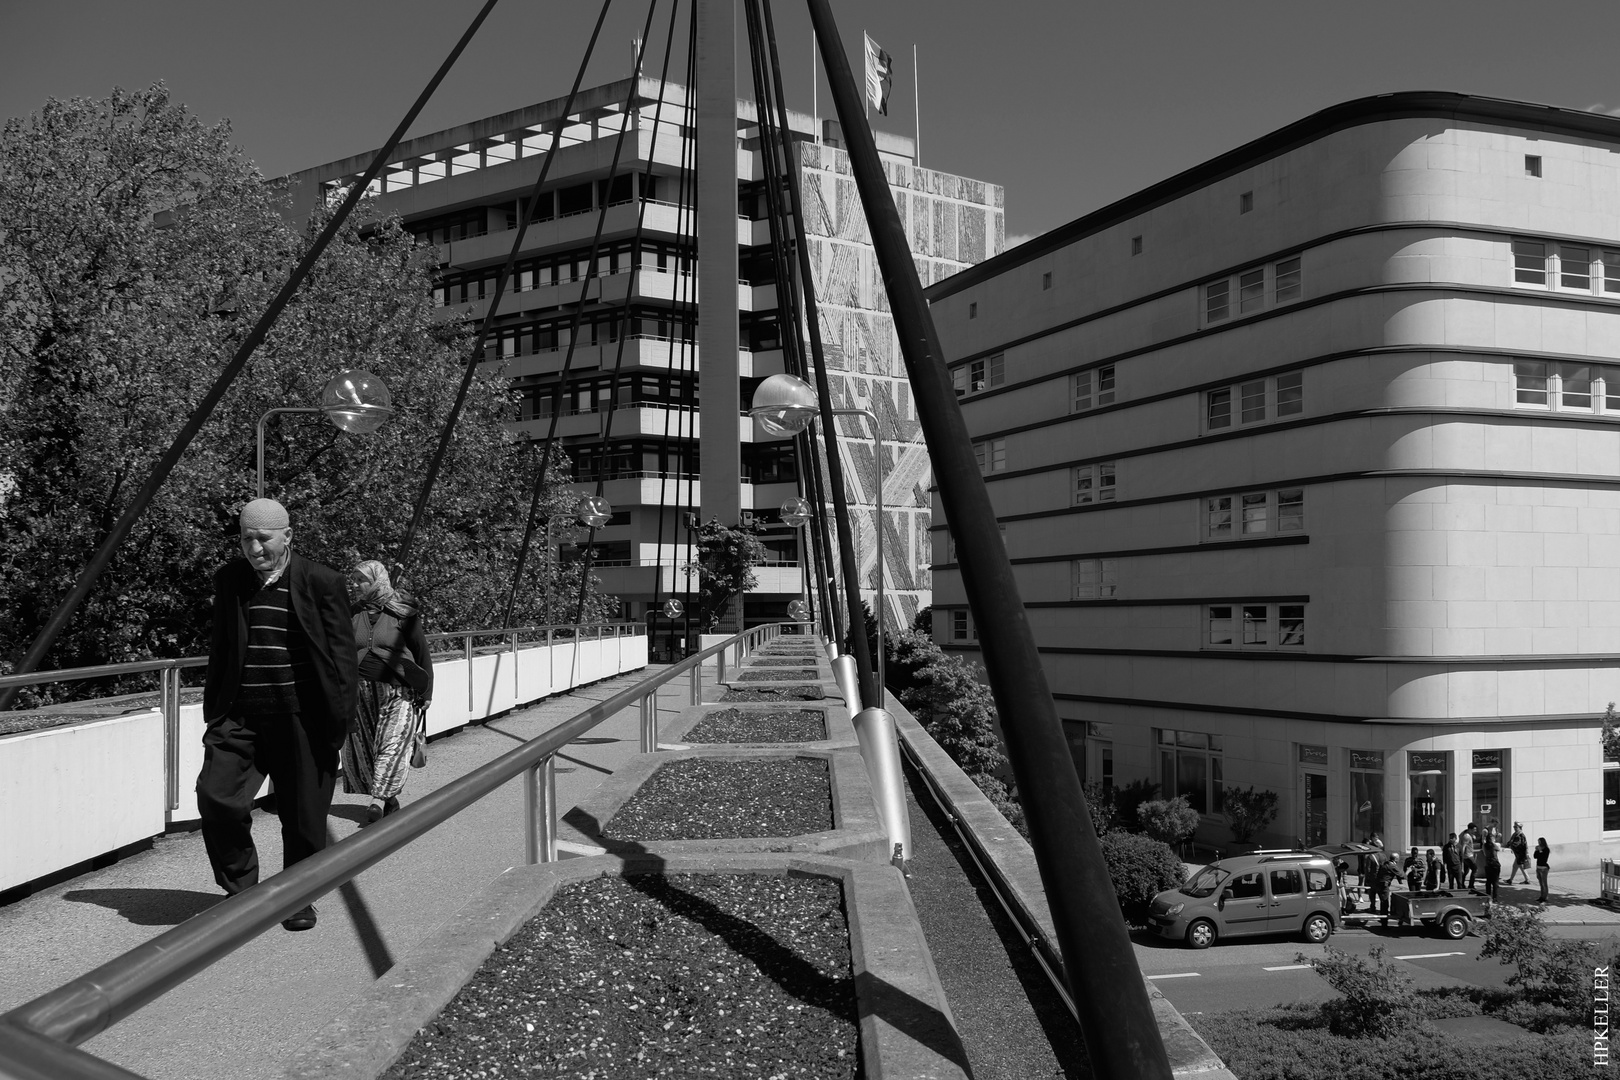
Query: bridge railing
{"points": [[39, 1039]]}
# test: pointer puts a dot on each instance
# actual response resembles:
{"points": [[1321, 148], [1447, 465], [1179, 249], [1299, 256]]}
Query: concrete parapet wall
{"points": [[72, 793]]}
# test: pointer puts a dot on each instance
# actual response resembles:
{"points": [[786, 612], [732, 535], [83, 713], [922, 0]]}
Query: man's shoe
{"points": [[302, 919], [374, 813], [390, 806]]}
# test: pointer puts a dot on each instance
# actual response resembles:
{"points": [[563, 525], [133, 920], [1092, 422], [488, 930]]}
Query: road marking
{"points": [[1429, 955], [1288, 967], [1177, 975]]}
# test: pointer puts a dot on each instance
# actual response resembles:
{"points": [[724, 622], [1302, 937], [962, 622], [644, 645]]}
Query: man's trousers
{"points": [[238, 753]]}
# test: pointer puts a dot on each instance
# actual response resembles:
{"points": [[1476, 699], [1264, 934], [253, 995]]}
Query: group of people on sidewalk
{"points": [[1459, 864], [307, 668]]}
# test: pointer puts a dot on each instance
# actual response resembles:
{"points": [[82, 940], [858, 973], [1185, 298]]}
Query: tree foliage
{"points": [[1169, 821], [1248, 811], [1611, 734], [726, 557], [137, 249]]}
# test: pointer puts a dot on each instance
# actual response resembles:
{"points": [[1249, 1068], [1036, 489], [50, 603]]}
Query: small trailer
{"points": [[1451, 914]]}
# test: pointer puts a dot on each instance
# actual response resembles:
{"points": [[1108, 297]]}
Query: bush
{"points": [[1550, 972], [1248, 811], [1378, 998], [1140, 867], [1004, 800], [1168, 820], [1290, 1043], [1128, 799], [1100, 801]]}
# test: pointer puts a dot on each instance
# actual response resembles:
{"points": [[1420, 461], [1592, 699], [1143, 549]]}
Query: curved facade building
{"points": [[1308, 460]]}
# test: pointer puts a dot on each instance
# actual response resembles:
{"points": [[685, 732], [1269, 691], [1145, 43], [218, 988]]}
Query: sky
{"points": [[1068, 105]]}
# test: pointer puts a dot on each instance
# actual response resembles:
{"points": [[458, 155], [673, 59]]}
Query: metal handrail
{"points": [[95, 1001]]}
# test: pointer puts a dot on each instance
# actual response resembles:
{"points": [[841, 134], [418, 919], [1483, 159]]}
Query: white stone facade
{"points": [[1315, 449]]}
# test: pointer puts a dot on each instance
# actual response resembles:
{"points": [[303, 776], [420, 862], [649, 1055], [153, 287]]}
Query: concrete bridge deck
{"points": [[242, 1017]]}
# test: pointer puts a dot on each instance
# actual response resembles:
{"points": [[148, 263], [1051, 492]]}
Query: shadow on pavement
{"points": [[148, 907]]}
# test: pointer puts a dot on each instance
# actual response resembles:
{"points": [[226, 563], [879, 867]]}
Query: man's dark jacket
{"points": [[320, 603]]}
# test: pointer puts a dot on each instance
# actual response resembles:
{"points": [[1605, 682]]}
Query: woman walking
{"points": [[396, 685], [1543, 852]]}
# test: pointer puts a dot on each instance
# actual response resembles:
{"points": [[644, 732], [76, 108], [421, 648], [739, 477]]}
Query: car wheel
{"points": [[1317, 928], [1201, 934], [1455, 927]]}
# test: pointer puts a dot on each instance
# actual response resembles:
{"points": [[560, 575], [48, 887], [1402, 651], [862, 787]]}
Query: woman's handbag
{"points": [[418, 734]]}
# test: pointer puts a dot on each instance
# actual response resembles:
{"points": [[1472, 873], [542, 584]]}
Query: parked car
{"points": [[1262, 893]]}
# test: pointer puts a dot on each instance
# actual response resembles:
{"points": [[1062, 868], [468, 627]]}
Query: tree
{"points": [[137, 248], [1611, 734], [726, 557], [1169, 821], [1248, 811], [952, 704]]}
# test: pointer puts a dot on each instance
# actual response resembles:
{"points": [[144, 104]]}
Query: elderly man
{"points": [[279, 699]]}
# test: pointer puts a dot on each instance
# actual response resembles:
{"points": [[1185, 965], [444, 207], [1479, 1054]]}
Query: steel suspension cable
{"points": [[573, 333], [859, 645], [475, 355], [205, 408]]}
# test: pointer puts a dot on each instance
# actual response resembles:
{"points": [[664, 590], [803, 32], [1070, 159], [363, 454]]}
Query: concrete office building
{"points": [[1308, 461], [464, 189]]}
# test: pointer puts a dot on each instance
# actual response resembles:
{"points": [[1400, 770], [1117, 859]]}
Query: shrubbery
{"points": [[1378, 998], [1248, 811], [1556, 973], [1140, 867], [1169, 821]]}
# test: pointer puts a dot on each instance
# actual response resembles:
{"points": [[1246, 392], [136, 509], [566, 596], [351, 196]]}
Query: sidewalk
{"points": [[242, 1017]]}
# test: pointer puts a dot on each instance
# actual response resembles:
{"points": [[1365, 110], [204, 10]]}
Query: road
{"points": [[1265, 971]]}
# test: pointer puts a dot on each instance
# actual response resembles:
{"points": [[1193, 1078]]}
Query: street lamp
{"points": [[795, 513], [354, 400], [592, 511], [784, 406]]}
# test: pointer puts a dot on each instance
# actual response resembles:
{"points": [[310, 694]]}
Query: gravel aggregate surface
{"points": [[733, 976], [777, 674], [759, 726], [701, 798], [773, 693], [779, 661]]}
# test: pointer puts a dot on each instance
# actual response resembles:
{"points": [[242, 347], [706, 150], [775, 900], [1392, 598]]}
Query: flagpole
{"points": [[916, 100]]}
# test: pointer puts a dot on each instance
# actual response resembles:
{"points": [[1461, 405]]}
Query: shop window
{"points": [[1190, 765], [1367, 793], [1611, 798], [1427, 773]]}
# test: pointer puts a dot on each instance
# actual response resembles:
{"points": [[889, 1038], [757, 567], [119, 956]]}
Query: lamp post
{"points": [[592, 511], [795, 514], [354, 400], [785, 405]]}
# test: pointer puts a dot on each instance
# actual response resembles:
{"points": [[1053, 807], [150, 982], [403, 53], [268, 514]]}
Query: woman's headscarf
{"points": [[378, 594]]}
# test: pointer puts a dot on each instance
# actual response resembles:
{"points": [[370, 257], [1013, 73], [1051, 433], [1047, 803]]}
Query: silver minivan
{"points": [[1265, 893]]}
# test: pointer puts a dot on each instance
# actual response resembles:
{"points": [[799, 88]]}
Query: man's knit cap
{"points": [[264, 514]]}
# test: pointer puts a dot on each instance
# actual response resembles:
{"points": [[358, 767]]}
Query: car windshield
{"points": [[1205, 882]]}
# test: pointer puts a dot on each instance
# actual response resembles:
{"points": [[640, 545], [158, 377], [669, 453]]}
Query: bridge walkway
{"points": [[241, 1018]]}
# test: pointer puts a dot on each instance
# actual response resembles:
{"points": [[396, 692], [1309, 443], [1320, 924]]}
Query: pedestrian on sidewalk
{"points": [[1431, 872], [278, 699], [1468, 849], [396, 686], [1493, 863], [1519, 844], [1542, 854], [1453, 860]]}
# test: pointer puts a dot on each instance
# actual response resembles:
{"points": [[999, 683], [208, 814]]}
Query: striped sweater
{"points": [[277, 653]]}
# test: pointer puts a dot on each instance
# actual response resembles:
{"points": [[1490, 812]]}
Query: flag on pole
{"points": [[879, 76]]}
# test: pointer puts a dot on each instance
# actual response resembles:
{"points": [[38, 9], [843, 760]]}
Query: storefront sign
{"points": [[1313, 755], [1367, 759], [1430, 762], [1487, 759]]}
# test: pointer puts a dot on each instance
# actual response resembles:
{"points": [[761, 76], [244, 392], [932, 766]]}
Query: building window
{"points": [[1567, 385], [1046, 280], [1094, 483], [1136, 245], [1248, 289], [1367, 793], [1288, 278], [962, 628], [991, 454], [1530, 381], [1575, 267], [1609, 270], [973, 311], [1427, 773], [1529, 262], [1190, 765], [1532, 165], [1092, 579], [1255, 626], [1254, 513], [991, 371], [1575, 386], [1245, 202], [1094, 388], [1256, 400]]}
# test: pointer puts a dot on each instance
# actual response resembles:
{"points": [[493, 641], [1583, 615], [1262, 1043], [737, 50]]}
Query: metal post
{"points": [[849, 681], [649, 723], [467, 654], [880, 749], [697, 684], [1105, 981], [516, 689], [540, 812], [169, 695]]}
